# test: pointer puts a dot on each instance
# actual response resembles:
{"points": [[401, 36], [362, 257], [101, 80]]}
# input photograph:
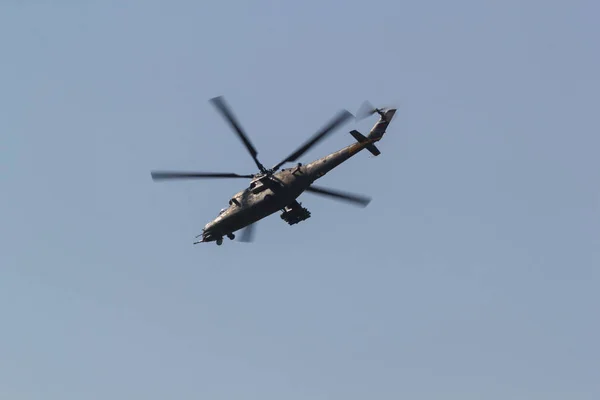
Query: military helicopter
{"points": [[272, 190]]}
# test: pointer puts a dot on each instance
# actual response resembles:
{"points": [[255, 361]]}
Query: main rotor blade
{"points": [[247, 235], [170, 175], [341, 117], [225, 110], [356, 199]]}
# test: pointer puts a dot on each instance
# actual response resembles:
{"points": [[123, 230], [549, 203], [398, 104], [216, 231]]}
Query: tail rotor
{"points": [[366, 110]]}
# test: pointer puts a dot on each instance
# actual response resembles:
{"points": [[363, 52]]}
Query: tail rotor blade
{"points": [[354, 199], [365, 110]]}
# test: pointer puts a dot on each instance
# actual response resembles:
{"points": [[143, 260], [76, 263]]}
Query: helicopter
{"points": [[273, 189]]}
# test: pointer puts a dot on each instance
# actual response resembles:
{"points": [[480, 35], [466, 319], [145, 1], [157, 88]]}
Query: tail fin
{"points": [[362, 139], [380, 126]]}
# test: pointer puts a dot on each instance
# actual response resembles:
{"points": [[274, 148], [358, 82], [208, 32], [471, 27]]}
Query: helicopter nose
{"points": [[208, 229], [207, 233]]}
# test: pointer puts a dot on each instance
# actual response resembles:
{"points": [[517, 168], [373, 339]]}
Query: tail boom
{"points": [[320, 167]]}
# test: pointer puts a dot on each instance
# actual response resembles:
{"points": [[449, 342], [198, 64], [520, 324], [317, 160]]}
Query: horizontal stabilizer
{"points": [[362, 139]]}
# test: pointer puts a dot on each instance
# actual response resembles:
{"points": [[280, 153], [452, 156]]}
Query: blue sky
{"points": [[472, 274]]}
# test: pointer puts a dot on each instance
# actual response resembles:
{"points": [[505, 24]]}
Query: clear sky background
{"points": [[473, 273]]}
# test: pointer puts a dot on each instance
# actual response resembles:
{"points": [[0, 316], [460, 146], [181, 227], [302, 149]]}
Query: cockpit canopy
{"points": [[236, 199], [258, 185]]}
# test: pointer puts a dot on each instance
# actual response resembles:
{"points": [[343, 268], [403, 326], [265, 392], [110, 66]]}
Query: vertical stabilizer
{"points": [[380, 126]]}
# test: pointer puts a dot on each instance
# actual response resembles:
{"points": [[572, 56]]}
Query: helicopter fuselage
{"points": [[269, 193]]}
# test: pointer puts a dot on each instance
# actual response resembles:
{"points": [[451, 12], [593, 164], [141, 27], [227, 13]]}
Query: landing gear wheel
{"points": [[219, 241], [231, 236]]}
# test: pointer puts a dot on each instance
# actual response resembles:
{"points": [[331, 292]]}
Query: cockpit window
{"points": [[257, 187]]}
